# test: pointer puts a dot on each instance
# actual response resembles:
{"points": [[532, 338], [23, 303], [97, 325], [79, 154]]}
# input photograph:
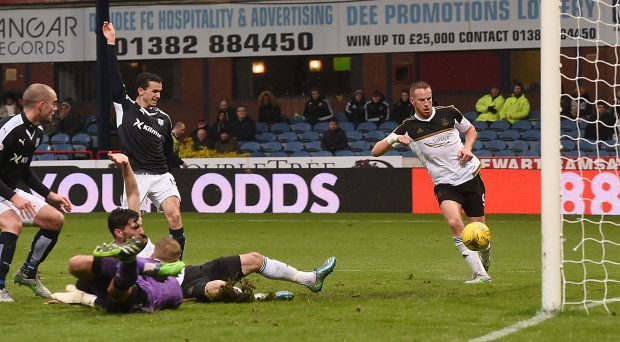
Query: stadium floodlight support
{"points": [[551, 220]]}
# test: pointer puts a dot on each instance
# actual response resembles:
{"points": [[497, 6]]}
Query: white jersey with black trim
{"points": [[437, 143]]}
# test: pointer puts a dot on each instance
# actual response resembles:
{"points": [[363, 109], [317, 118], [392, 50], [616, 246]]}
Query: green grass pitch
{"points": [[398, 278]]}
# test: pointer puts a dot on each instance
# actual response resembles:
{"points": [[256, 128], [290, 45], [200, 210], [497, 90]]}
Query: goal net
{"points": [[589, 102]]}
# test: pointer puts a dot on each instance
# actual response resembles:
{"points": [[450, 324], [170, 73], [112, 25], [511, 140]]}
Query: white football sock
{"points": [[471, 257], [274, 269]]}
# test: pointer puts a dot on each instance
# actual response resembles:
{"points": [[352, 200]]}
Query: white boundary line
{"points": [[540, 317]]}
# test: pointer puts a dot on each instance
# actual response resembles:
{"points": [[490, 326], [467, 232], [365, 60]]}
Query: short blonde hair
{"points": [[167, 250]]}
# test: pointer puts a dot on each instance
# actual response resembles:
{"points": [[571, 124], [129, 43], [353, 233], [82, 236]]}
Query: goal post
{"points": [[551, 219]]}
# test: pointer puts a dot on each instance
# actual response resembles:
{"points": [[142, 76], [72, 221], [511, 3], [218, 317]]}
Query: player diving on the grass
{"points": [[211, 281], [432, 133]]}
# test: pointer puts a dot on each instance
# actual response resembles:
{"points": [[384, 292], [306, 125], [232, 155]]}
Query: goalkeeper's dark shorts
{"points": [[470, 195], [196, 277]]}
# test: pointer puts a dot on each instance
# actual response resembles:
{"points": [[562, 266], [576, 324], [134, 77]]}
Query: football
{"points": [[476, 236]]}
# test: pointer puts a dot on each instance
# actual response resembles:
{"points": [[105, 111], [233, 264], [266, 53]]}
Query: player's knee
{"points": [[57, 221], [12, 226], [80, 265], [257, 259], [455, 224]]}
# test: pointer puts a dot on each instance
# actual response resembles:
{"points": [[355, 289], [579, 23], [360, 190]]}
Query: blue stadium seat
{"points": [[80, 147], [46, 156], [374, 136], [535, 124], [388, 126], [518, 146], [480, 125], [366, 127], [60, 138], [360, 145], [250, 147], [313, 146], [270, 147], [568, 125], [301, 127], [91, 129], [484, 153], [477, 145], [44, 147], [568, 145], [287, 137], [534, 114], [610, 145], [265, 137], [261, 127], [89, 120], [347, 126], [293, 146], [276, 154], [522, 125], [321, 126], [408, 154], [344, 153], [505, 153], [366, 153], [321, 154], [392, 153], [354, 136], [45, 139], [300, 154], [279, 127], [471, 116], [341, 117], [586, 145], [81, 139], [499, 126], [309, 136], [532, 135], [63, 147], [509, 135], [486, 135], [573, 153], [528, 153], [494, 145], [257, 154], [295, 118]]}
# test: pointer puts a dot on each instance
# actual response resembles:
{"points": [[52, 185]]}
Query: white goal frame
{"points": [[551, 215]]}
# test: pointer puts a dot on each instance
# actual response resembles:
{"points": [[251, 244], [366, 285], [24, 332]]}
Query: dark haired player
{"points": [[146, 137], [433, 135], [20, 135]]}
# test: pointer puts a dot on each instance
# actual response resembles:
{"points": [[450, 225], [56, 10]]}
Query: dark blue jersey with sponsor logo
{"points": [[145, 133], [19, 138]]}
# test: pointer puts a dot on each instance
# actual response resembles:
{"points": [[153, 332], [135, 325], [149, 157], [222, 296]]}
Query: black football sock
{"points": [[8, 241], [179, 236]]}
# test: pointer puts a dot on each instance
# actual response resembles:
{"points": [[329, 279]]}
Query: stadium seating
{"points": [[344, 153], [534, 114], [388, 126], [354, 136], [301, 127], [374, 136], [365, 153], [293, 146], [46, 156], [279, 128], [44, 147], [505, 153], [484, 153], [272, 146], [532, 135], [509, 135], [518, 146], [522, 125], [309, 136], [471, 116], [568, 145], [360, 145], [287, 137], [535, 146], [92, 129], [313, 146], [60, 138], [63, 147], [477, 145], [261, 127], [347, 126], [499, 126], [276, 154], [78, 147], [250, 147], [341, 117], [366, 127], [586, 145], [265, 137], [407, 153], [480, 125], [321, 127], [45, 139], [486, 135], [392, 153], [257, 154], [494, 145], [300, 154], [321, 154]]}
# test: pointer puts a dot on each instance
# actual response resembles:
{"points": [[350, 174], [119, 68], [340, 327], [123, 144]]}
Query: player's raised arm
{"points": [[131, 185], [117, 87], [385, 145]]}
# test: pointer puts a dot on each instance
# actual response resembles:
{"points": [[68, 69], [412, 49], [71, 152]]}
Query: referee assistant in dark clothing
{"points": [[146, 138], [20, 135]]}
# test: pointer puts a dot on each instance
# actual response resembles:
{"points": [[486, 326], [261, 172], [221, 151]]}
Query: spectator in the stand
{"points": [[489, 105], [377, 110], [604, 125], [231, 112], [219, 126], [403, 109], [268, 110], [334, 138], [355, 110], [10, 106], [200, 124], [317, 108], [516, 107], [177, 134], [226, 143], [244, 128], [581, 106], [70, 122], [203, 140]]}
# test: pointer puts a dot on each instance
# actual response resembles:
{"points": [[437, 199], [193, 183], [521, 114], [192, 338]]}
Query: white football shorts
{"points": [[155, 188], [37, 203]]}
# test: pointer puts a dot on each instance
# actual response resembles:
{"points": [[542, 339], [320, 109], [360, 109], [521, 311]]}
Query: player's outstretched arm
{"points": [[385, 145], [109, 33], [117, 88], [131, 185]]}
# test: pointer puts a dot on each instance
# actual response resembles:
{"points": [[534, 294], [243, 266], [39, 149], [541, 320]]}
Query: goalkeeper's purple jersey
{"points": [[160, 295]]}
